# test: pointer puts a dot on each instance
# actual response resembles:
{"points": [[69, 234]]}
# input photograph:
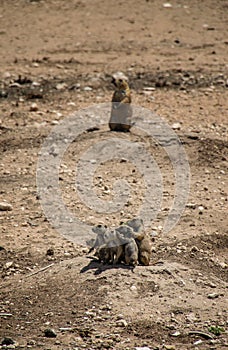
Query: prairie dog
{"points": [[131, 252], [121, 111], [109, 245], [144, 247], [101, 238], [138, 228]]}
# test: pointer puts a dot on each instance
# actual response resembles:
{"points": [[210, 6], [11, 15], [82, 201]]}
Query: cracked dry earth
{"points": [[57, 57]]}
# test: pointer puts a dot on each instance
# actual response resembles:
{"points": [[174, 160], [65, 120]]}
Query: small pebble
{"points": [[61, 86], [176, 126], [50, 333], [213, 295], [50, 252], [176, 334], [133, 288], [167, 5], [87, 88], [35, 64], [121, 323], [5, 206], [194, 249], [34, 107], [201, 209], [8, 264]]}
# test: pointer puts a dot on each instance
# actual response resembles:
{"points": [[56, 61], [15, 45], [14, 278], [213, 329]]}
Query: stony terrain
{"points": [[58, 57]]}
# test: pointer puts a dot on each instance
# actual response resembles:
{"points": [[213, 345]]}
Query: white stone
{"points": [[5, 206]]}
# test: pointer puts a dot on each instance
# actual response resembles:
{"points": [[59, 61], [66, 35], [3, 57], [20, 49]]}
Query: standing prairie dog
{"points": [[121, 111], [131, 252], [144, 247]]}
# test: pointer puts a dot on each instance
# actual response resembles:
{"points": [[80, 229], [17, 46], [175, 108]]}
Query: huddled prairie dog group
{"points": [[128, 244]]}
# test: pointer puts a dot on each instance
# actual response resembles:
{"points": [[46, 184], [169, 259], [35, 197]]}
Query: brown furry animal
{"points": [[138, 228], [109, 246], [131, 252], [121, 112], [101, 238], [144, 247]]}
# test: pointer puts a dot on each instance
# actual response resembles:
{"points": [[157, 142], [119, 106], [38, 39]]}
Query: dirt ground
{"points": [[56, 58]]}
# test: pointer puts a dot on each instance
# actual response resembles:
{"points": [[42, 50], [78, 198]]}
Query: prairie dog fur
{"points": [[131, 252], [121, 111], [144, 247]]}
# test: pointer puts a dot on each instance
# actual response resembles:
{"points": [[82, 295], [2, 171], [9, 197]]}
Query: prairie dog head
{"points": [[99, 229], [120, 83], [145, 258], [136, 224]]}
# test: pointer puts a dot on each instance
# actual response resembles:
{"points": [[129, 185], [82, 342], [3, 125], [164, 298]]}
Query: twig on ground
{"points": [[202, 334], [40, 270]]}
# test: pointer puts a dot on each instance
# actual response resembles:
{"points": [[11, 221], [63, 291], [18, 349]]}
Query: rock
{"points": [[35, 83], [61, 86], [149, 88], [212, 285], [5, 206], [213, 295], [198, 342], [176, 126], [153, 234], [33, 107], [8, 264], [194, 249], [35, 64], [201, 209], [54, 122], [223, 265], [191, 205], [50, 333], [176, 334], [87, 88], [167, 5], [31, 342], [191, 317], [147, 92], [7, 341], [142, 348], [121, 323], [169, 347], [133, 288], [50, 252]]}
